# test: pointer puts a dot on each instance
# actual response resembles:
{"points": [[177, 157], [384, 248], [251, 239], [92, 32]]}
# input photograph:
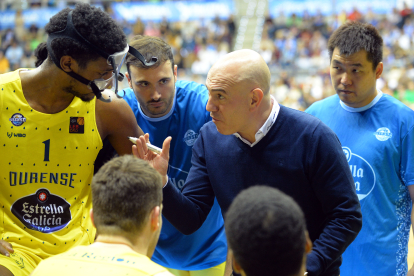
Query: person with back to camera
{"points": [[254, 140], [127, 205], [51, 129], [267, 234], [377, 136], [165, 107]]}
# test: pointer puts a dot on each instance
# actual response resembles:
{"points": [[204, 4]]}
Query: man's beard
{"points": [[168, 103], [83, 97]]}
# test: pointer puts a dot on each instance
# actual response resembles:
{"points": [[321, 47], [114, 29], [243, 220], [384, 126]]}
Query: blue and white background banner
{"points": [[327, 7], [173, 11], [130, 11]]}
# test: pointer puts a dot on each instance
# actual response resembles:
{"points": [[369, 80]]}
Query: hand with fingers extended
{"points": [[6, 248], [157, 161]]}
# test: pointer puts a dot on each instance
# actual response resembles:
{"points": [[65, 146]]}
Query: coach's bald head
{"points": [[239, 99], [244, 66]]}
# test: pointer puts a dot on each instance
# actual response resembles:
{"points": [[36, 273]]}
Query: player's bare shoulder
{"points": [[114, 113], [115, 105], [116, 121]]}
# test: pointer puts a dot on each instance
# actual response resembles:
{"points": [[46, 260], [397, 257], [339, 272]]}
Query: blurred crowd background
{"points": [[294, 46]]}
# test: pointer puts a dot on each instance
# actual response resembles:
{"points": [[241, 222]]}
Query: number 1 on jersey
{"points": [[47, 148]]}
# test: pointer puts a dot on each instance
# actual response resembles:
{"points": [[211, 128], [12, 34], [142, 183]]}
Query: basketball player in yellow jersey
{"points": [[51, 129], [127, 203]]}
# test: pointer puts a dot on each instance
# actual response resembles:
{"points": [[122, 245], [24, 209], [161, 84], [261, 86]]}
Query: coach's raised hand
{"points": [[157, 161]]}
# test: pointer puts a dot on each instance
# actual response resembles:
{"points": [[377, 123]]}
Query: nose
{"points": [[211, 107], [155, 95], [346, 79]]}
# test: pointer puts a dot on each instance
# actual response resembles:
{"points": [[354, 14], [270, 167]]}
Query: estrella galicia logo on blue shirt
{"points": [[383, 134], [17, 119], [42, 211], [362, 172], [190, 137]]}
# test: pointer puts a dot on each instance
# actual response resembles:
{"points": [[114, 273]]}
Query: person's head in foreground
{"points": [[87, 46], [127, 204], [355, 51], [154, 86], [266, 233], [239, 101]]}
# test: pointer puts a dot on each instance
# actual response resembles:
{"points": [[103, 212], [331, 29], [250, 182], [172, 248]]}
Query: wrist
{"points": [[164, 180]]}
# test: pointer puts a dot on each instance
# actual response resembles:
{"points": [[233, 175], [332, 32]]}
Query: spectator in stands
{"points": [[14, 54], [4, 63], [355, 15]]}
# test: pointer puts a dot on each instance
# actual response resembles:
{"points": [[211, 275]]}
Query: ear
{"points": [[92, 219], [129, 79], [68, 64], [256, 96], [175, 73], [155, 218], [378, 70], [236, 266], [308, 243]]}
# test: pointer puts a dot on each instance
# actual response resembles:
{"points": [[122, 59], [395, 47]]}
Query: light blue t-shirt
{"points": [[207, 247], [378, 141]]}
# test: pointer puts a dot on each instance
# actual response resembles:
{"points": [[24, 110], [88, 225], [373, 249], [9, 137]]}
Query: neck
{"points": [[258, 119], [43, 89], [139, 244]]}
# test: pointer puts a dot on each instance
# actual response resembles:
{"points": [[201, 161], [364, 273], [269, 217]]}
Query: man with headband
{"points": [[164, 106], [51, 127]]}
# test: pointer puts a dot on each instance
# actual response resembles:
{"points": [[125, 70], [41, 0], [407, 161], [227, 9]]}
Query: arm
{"points": [[188, 210], [228, 270], [335, 189], [411, 190], [407, 173], [116, 121]]}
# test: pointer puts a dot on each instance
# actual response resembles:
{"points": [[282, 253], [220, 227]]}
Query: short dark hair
{"points": [[124, 191], [93, 24], [149, 46], [265, 229], [354, 36]]}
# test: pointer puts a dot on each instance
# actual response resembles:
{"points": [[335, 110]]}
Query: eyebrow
{"points": [[354, 64], [141, 81], [218, 90]]}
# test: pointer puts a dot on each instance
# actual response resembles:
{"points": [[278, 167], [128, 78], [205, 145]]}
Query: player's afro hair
{"points": [[93, 24]]}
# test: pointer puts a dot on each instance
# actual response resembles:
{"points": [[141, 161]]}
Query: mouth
{"points": [[214, 119], [345, 91], [156, 104]]}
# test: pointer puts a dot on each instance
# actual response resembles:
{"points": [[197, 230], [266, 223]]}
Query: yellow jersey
{"points": [[90, 260], [46, 168]]}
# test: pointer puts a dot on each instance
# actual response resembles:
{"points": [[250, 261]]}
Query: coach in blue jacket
{"points": [[254, 140]]}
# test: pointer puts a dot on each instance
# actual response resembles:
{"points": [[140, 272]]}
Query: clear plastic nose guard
{"points": [[108, 83], [116, 60]]}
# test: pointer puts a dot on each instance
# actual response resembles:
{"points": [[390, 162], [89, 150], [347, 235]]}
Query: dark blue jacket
{"points": [[300, 156]]}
